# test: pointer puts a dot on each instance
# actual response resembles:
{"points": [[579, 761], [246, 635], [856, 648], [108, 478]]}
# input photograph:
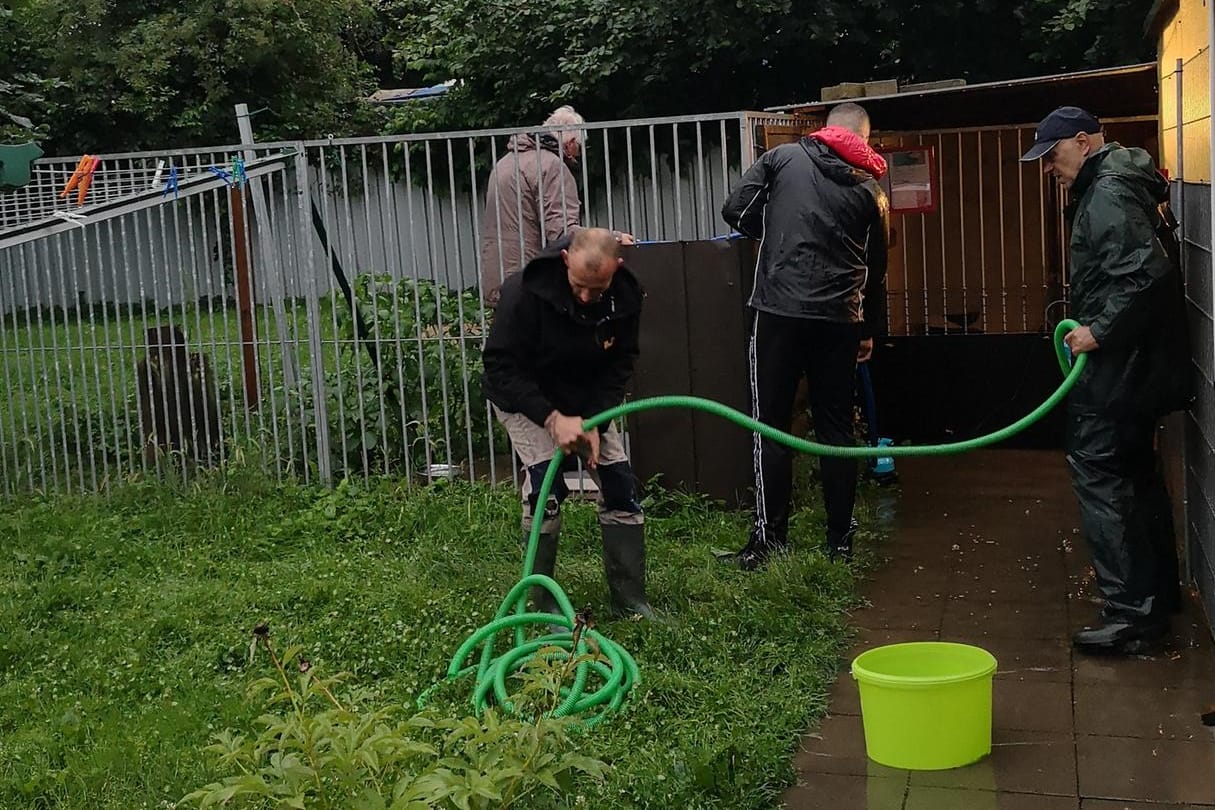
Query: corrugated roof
{"points": [[1149, 67], [1109, 93]]}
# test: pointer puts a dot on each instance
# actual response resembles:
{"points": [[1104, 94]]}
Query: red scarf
{"points": [[853, 149]]}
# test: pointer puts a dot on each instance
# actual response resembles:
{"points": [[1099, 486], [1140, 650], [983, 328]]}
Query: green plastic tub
{"points": [[926, 705]]}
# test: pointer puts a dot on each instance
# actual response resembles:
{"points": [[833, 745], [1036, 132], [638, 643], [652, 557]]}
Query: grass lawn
{"points": [[125, 622]]}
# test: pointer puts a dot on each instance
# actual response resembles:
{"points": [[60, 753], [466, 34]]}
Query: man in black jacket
{"points": [[1128, 296], [561, 349], [819, 297]]}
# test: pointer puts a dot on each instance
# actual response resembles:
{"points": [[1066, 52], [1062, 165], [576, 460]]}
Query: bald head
{"points": [[591, 262], [851, 117]]}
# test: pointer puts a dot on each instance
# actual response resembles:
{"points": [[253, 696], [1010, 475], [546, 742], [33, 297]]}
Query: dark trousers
{"points": [[782, 350], [1125, 513]]}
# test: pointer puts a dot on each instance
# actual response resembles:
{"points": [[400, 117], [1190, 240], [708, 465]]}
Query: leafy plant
{"points": [[406, 385], [313, 750], [23, 93]]}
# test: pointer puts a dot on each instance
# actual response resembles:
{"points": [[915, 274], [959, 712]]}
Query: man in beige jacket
{"points": [[531, 199]]}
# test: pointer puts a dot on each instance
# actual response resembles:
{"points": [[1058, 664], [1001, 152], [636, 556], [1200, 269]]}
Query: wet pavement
{"points": [[986, 551]]}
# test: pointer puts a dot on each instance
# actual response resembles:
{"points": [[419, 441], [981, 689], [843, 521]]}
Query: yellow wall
{"points": [[1184, 36]]}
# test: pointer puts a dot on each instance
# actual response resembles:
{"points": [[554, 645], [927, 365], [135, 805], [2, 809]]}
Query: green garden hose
{"points": [[613, 667]]}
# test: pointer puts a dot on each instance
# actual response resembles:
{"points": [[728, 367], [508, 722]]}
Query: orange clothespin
{"points": [[87, 181], [81, 168], [82, 178]]}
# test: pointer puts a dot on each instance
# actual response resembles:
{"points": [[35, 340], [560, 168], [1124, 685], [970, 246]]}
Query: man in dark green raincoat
{"points": [[1127, 293]]}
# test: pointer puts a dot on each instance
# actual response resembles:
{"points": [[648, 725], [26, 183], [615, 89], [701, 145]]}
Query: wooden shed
{"points": [[977, 276]]}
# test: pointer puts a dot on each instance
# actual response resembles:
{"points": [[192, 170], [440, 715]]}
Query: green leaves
{"points": [[311, 753], [422, 402], [150, 73]]}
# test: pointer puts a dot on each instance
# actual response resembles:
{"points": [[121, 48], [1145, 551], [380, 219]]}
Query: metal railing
{"points": [[325, 315], [323, 319]]}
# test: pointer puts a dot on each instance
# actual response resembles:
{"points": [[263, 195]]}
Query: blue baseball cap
{"points": [[1063, 123]]}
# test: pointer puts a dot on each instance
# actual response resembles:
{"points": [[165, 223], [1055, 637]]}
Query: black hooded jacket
{"points": [[546, 351], [1125, 289], [822, 226]]}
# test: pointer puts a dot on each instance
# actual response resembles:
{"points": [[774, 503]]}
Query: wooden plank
{"points": [[970, 315], [778, 134], [948, 277], [662, 442], [718, 330], [992, 266], [1034, 255], [1009, 147]]}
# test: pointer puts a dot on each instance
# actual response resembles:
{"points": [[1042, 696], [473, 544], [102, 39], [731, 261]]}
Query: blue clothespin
{"points": [[171, 183], [238, 171], [221, 174]]}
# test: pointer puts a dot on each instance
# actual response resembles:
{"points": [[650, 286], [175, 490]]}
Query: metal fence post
{"points": [[1187, 564], [272, 269], [320, 405]]}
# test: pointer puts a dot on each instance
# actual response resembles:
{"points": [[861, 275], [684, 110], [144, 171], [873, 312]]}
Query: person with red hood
{"points": [[818, 299]]}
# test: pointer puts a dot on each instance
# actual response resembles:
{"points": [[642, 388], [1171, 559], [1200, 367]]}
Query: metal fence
{"points": [[315, 308]]}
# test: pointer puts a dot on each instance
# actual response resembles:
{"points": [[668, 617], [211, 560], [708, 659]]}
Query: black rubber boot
{"points": [[624, 566], [545, 563]]}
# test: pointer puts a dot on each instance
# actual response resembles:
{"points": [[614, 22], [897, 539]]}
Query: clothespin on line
{"points": [[171, 183], [221, 174], [82, 178], [235, 177]]}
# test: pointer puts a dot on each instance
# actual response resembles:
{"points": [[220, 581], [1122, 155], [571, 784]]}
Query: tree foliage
{"points": [[24, 108], [146, 73], [142, 73], [621, 58], [985, 40]]}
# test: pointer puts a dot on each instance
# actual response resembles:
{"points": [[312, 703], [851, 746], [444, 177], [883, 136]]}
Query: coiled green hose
{"points": [[614, 668]]}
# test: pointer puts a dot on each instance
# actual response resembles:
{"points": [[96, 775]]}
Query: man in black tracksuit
{"points": [[561, 349], [1127, 293], [818, 299]]}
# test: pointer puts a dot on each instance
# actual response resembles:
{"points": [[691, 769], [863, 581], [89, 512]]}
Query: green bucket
{"points": [[926, 705]]}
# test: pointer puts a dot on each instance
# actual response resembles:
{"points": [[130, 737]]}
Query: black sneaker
{"points": [[1118, 637], [840, 548], [756, 555], [841, 552]]}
